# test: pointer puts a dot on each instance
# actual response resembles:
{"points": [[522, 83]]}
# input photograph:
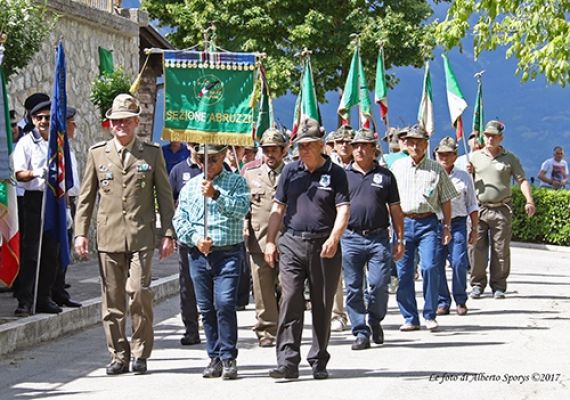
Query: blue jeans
{"points": [[216, 280], [456, 252], [357, 251], [419, 234]]}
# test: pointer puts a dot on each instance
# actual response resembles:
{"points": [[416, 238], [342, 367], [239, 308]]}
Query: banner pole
{"points": [[205, 198], [40, 242]]}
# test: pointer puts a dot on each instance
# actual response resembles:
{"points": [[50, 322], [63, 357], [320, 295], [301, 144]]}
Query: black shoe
{"points": [[229, 369], [139, 365], [68, 303], [214, 369], [117, 368], [283, 372], [49, 307], [23, 310], [66, 286], [361, 343], [377, 334], [190, 339], [320, 373]]}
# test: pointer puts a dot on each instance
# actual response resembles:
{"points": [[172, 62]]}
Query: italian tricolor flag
{"points": [[306, 105], [356, 92], [425, 111], [9, 233], [455, 99], [381, 89]]}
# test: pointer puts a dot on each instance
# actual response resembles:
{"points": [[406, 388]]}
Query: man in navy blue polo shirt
{"points": [[174, 153], [180, 174], [373, 190], [312, 195]]}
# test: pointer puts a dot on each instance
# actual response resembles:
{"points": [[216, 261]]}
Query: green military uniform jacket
{"points": [[126, 212], [262, 192]]}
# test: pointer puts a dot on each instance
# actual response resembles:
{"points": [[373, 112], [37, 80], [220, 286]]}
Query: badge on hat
{"points": [[325, 180]]}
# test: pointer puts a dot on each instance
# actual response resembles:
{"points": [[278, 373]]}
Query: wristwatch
{"points": [[400, 241], [445, 226]]}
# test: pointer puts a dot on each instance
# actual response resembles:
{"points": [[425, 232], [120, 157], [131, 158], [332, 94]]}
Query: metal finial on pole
{"points": [[479, 75]]}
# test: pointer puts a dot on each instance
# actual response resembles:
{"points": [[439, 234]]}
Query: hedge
{"points": [[550, 224]]}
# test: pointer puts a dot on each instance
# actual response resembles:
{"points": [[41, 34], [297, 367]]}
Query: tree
{"points": [[536, 32], [282, 28], [25, 24]]}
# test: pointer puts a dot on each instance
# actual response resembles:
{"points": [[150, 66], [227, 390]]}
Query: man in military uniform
{"points": [[493, 167], [312, 196], [262, 182], [125, 173], [425, 190]]}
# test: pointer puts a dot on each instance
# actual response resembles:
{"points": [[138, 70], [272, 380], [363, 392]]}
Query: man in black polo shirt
{"points": [[373, 190], [312, 195], [179, 175]]}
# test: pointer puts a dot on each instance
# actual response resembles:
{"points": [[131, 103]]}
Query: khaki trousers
{"points": [[493, 233], [265, 281], [338, 306], [122, 275]]}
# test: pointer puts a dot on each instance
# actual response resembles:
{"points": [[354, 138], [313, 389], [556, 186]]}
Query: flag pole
{"points": [[207, 46]]}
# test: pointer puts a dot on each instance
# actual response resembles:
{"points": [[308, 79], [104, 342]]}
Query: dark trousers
{"points": [[244, 288], [49, 263], [188, 308], [300, 261]]}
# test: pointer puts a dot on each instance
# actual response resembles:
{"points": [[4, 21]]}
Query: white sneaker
{"points": [[431, 324], [337, 325]]}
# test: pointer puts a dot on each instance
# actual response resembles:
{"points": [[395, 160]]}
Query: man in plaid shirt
{"points": [[215, 260]]}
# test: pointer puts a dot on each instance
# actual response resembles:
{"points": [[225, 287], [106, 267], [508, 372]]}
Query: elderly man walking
{"points": [[124, 174], [366, 242], [215, 259], [462, 207], [493, 167], [425, 190], [312, 197]]}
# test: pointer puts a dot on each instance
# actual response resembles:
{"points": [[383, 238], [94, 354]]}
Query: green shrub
{"points": [[550, 224], [105, 88]]}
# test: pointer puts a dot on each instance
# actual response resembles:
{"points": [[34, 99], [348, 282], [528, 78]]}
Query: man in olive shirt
{"points": [[493, 168]]}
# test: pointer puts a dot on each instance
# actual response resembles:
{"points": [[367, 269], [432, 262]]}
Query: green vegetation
{"points": [[551, 223], [25, 24], [536, 32], [106, 87], [282, 28]]}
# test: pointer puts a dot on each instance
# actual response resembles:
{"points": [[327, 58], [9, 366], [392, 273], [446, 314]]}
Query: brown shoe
{"points": [[266, 342], [461, 309], [442, 311]]}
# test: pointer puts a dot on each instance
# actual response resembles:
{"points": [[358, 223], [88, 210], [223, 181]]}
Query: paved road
{"points": [[523, 339]]}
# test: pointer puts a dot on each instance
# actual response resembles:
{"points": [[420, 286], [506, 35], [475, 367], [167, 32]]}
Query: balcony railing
{"points": [[104, 5]]}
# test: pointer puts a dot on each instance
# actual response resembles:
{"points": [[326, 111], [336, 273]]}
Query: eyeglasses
{"points": [[42, 117], [211, 159]]}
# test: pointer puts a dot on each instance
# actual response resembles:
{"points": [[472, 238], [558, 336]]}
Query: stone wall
{"points": [[83, 30]]}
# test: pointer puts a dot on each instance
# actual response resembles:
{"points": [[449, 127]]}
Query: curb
{"points": [[540, 246], [40, 328]]}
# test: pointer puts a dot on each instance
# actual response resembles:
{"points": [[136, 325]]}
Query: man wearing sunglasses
{"points": [[215, 257]]}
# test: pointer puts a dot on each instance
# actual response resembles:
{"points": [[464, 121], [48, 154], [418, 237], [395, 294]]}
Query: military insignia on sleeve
{"points": [[325, 180]]}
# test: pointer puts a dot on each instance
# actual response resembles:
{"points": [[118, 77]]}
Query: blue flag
{"points": [[59, 176]]}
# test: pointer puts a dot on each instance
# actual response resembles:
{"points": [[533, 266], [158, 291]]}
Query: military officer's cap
{"points": [[124, 106], [415, 132], [330, 138], [273, 137], [70, 112], [401, 132], [447, 145], [494, 128], [390, 133], [44, 105], [309, 131], [364, 136], [202, 149], [34, 100]]}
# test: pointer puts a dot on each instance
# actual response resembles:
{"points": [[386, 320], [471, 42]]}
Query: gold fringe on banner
{"points": [[224, 138]]}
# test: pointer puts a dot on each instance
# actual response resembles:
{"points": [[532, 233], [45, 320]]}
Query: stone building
{"points": [[86, 25]]}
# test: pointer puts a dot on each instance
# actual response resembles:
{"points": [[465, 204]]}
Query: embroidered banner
{"points": [[208, 97]]}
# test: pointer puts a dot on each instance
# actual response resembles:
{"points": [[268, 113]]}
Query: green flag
{"points": [[381, 89], [265, 118], [105, 61], [350, 93], [308, 107], [478, 118]]}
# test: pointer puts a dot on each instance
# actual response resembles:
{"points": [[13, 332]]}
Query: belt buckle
{"points": [[365, 232]]}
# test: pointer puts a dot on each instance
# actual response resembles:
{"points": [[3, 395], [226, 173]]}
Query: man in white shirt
{"points": [[463, 206], [463, 160], [554, 171]]}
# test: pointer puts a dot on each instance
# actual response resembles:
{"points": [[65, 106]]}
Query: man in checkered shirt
{"points": [[215, 260]]}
